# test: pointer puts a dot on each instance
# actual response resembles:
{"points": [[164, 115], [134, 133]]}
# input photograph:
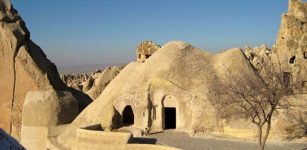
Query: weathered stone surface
{"points": [[54, 108], [94, 84], [75, 81], [145, 49], [23, 67], [291, 44], [178, 75], [258, 56], [102, 81], [51, 108]]}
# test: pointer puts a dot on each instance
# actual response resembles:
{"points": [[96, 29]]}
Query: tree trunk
{"points": [[260, 137], [267, 132]]}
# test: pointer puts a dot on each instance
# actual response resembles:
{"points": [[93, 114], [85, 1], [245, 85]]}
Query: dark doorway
{"points": [[128, 116], [170, 118]]}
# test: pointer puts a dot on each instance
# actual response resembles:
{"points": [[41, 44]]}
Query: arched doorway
{"points": [[128, 116]]}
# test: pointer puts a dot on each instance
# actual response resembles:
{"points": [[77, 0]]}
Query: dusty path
{"points": [[184, 141]]}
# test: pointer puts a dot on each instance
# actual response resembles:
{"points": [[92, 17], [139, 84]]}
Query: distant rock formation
{"points": [[145, 50], [258, 56], [101, 81], [23, 68], [75, 81], [94, 84]]}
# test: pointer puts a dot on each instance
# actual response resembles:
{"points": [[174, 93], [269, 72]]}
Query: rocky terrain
{"points": [[46, 111], [93, 84]]}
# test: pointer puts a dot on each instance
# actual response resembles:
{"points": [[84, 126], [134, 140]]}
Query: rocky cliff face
{"points": [[291, 45], [23, 67]]}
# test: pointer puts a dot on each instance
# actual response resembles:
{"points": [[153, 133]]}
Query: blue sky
{"points": [[75, 32]]}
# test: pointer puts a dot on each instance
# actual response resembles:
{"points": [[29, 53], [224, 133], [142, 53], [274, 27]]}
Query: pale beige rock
{"points": [[23, 67], [94, 84], [259, 56], [291, 44], [101, 82], [145, 49], [177, 75], [54, 108]]}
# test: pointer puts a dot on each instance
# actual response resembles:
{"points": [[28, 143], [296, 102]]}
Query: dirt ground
{"points": [[184, 141]]}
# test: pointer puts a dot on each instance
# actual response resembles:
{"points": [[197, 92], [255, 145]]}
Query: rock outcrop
{"points": [[94, 84], [23, 68], [291, 45], [258, 56], [75, 81], [102, 81], [145, 49]]}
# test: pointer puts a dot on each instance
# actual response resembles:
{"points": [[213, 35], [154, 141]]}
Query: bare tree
{"points": [[255, 96]]}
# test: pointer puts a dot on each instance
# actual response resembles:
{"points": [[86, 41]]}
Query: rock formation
{"points": [[291, 45], [258, 56], [102, 81], [94, 84], [145, 50], [178, 75], [75, 81], [182, 77], [23, 68]]}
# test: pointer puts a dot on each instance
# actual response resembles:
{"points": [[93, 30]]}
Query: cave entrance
{"points": [[147, 56], [170, 118], [128, 116]]}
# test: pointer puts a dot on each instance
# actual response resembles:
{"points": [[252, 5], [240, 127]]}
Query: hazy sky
{"points": [[108, 31]]}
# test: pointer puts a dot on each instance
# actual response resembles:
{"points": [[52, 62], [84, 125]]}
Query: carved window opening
{"points": [[292, 60], [305, 55]]}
